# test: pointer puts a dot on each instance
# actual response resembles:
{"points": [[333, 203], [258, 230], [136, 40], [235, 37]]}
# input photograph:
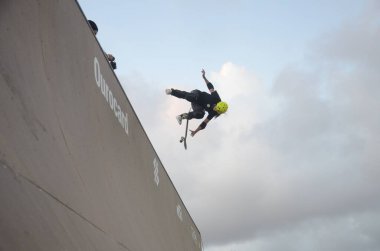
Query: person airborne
{"points": [[200, 102]]}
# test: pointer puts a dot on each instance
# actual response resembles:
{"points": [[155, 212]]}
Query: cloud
{"points": [[292, 166], [315, 157], [351, 232]]}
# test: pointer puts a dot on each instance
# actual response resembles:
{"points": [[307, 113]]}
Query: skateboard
{"points": [[183, 138]]}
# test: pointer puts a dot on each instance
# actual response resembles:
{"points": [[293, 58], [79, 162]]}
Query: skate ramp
{"points": [[77, 170]]}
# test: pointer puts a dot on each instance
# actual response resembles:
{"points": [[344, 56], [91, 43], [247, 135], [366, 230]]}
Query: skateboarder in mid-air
{"points": [[200, 102]]}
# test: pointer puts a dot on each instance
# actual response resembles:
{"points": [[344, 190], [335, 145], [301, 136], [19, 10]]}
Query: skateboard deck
{"points": [[183, 138]]}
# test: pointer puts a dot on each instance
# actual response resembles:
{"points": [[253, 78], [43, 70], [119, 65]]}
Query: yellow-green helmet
{"points": [[221, 107]]}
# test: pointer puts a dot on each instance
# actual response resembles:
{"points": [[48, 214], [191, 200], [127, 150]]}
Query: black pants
{"points": [[193, 96]]}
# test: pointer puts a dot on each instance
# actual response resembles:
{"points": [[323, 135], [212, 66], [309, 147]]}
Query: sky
{"points": [[294, 164]]}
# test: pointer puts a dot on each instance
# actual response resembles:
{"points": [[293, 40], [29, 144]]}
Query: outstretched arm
{"points": [[200, 127], [208, 83]]}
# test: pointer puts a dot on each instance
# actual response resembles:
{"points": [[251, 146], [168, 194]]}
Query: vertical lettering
{"points": [[103, 86], [126, 123], [193, 234], [106, 93], [179, 212], [111, 100], [98, 76], [155, 171], [117, 112], [121, 118]]}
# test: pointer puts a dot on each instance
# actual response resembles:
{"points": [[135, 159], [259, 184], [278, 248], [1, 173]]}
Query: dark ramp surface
{"points": [[77, 170]]}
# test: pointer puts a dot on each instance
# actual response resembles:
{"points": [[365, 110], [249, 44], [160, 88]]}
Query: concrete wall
{"points": [[77, 171]]}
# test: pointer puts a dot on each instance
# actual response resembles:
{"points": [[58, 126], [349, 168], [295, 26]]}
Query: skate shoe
{"points": [[181, 117]]}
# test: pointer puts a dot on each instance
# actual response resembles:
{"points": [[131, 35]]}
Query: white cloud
{"points": [[349, 232], [294, 167]]}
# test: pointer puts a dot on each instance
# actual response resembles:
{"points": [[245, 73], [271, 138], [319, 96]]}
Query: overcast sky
{"points": [[295, 164]]}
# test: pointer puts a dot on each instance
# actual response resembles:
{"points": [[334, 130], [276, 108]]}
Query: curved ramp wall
{"points": [[77, 170]]}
